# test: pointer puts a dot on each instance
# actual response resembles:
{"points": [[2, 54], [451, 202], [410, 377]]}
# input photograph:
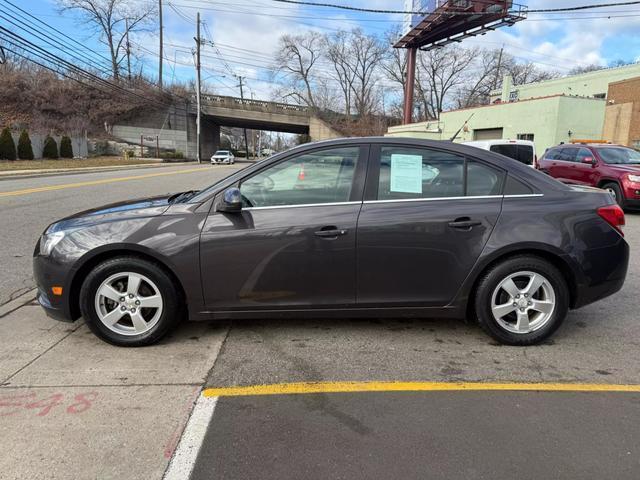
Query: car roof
{"points": [[500, 142]]}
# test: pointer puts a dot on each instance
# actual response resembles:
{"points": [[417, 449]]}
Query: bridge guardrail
{"points": [[255, 105]]}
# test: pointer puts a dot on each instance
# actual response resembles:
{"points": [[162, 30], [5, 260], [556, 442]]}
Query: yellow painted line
{"points": [[94, 182], [357, 387]]}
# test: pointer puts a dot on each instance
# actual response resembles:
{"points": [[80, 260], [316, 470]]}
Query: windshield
{"points": [[221, 152], [619, 155]]}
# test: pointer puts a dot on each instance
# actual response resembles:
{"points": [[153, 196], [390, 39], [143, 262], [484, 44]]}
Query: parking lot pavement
{"points": [[425, 435], [74, 407]]}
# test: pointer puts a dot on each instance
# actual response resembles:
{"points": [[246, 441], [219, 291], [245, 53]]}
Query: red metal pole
{"points": [[409, 84]]}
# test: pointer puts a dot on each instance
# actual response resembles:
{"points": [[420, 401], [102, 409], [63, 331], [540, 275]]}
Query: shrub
{"points": [[7, 145], [25, 150], [66, 150], [50, 149]]}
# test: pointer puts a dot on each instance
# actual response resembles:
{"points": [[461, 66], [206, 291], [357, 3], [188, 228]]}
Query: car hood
{"points": [[143, 207]]}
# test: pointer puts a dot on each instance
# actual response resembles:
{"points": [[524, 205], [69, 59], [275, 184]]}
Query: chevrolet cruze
{"points": [[354, 227]]}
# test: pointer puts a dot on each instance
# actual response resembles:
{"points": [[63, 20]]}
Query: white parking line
{"points": [[185, 456]]}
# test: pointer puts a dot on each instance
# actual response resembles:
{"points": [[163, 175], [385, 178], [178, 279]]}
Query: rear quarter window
{"points": [[516, 187]]}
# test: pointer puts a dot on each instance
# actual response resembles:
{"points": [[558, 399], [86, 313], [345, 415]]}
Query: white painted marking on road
{"points": [[185, 456]]}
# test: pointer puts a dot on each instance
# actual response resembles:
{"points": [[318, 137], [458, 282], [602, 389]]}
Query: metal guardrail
{"points": [[253, 105]]}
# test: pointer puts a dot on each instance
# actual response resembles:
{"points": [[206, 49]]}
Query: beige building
{"points": [[622, 113]]}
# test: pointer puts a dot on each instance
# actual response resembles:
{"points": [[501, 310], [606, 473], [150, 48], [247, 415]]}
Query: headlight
{"points": [[634, 178], [49, 241]]}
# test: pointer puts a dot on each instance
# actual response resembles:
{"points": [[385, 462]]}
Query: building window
{"points": [[525, 136]]}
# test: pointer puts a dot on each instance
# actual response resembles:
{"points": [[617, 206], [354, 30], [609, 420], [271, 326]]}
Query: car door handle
{"points": [[331, 232], [464, 223]]}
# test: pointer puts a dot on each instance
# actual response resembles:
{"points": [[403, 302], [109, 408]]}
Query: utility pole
{"points": [[246, 145], [407, 111], [126, 23], [160, 65], [497, 77], [197, 39]]}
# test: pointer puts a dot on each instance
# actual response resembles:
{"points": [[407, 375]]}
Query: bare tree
{"points": [[367, 53], [338, 53], [113, 20], [439, 73], [394, 64], [297, 57]]}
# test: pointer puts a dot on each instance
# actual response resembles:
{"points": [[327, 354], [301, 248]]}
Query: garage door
{"points": [[487, 134]]}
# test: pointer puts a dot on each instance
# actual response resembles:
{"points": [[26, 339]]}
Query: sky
{"points": [[246, 34]]}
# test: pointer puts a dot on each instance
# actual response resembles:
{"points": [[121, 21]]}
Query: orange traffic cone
{"points": [[301, 174]]}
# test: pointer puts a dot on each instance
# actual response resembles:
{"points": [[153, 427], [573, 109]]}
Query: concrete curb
{"points": [[16, 303], [19, 174]]}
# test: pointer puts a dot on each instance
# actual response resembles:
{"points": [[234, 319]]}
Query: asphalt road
{"points": [[29, 205], [426, 435]]}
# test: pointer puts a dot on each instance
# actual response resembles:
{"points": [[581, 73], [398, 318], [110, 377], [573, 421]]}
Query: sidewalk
{"points": [[73, 406], [16, 174]]}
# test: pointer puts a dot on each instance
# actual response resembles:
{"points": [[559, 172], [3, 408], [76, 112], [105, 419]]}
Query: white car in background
{"points": [[522, 150], [223, 156]]}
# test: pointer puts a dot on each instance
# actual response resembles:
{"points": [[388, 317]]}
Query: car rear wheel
{"points": [[522, 300], [615, 191], [130, 302]]}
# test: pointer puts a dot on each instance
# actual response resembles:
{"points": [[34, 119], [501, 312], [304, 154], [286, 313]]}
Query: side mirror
{"points": [[231, 201], [589, 160]]}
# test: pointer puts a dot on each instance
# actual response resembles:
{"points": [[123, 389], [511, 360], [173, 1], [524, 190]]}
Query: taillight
{"points": [[613, 215]]}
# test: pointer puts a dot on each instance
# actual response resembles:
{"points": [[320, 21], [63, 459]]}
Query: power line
{"points": [[60, 34], [412, 12], [63, 65]]}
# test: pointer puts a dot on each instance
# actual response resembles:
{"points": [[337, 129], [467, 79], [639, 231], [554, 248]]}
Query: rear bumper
{"points": [[602, 273]]}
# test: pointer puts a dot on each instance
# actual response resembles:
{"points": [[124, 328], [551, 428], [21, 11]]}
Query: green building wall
{"points": [[549, 119], [585, 85]]}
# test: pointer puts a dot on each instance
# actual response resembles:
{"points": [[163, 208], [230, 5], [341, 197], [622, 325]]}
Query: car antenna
{"points": [[460, 129]]}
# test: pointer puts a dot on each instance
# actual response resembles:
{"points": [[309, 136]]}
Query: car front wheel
{"points": [[128, 301], [522, 300]]}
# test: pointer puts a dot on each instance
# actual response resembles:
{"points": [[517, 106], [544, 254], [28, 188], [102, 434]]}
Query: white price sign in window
{"points": [[406, 173]]}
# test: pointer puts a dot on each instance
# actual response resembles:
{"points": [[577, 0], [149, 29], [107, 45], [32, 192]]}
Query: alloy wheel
{"points": [[523, 302], [128, 303]]}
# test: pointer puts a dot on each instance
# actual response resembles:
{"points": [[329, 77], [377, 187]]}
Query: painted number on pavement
{"points": [[43, 405]]}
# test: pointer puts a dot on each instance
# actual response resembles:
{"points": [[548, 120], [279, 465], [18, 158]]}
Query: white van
{"points": [[522, 150]]}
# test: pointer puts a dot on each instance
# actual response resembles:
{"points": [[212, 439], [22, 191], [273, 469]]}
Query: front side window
{"points": [[324, 176], [416, 173], [619, 155]]}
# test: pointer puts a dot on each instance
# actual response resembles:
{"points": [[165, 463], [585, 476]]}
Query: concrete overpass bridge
{"points": [[175, 127]]}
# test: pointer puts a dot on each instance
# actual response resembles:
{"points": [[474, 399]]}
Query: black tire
{"points": [[496, 274], [172, 310], [615, 188]]}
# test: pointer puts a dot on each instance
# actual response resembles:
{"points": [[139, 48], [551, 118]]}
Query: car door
{"points": [[293, 243], [565, 169], [585, 172], [426, 217]]}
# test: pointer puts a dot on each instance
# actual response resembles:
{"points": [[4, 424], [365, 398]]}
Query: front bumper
{"points": [[48, 273]]}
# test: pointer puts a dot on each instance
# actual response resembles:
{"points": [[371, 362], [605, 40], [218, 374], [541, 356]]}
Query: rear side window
{"points": [[521, 153], [507, 150], [415, 173], [553, 154]]}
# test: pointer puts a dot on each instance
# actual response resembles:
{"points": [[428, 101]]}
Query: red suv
{"points": [[612, 167]]}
